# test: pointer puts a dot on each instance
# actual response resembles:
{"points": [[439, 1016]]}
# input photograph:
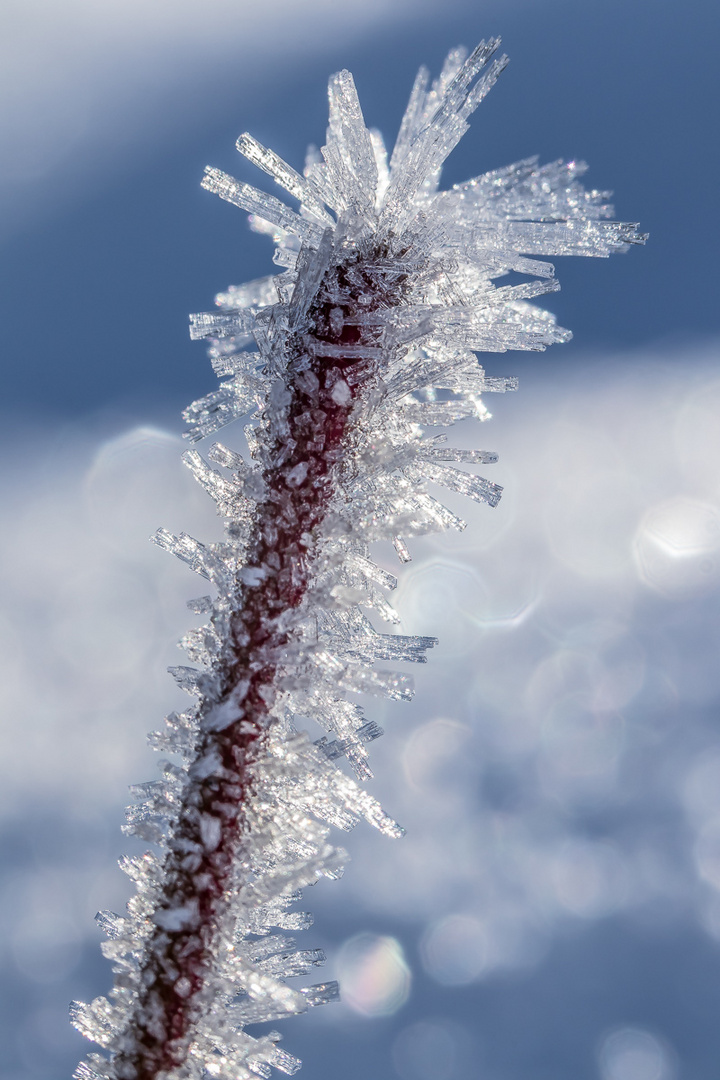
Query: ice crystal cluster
{"points": [[346, 361]]}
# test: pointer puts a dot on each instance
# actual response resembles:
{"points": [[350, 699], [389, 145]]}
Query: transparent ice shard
{"points": [[350, 143], [254, 294], [199, 557], [476, 487], [233, 400], [283, 174], [411, 121], [401, 549], [449, 453], [228, 494], [443, 413], [257, 202], [213, 324]]}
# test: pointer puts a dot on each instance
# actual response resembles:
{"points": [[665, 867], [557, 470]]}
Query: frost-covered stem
{"points": [[199, 866], [366, 340]]}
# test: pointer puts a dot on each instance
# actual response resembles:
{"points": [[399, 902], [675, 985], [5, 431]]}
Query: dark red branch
{"points": [[299, 483]]}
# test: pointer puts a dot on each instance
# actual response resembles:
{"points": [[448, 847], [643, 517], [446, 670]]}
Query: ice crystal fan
{"points": [[346, 361]]}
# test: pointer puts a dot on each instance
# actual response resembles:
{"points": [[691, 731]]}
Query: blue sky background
{"points": [[554, 913]]}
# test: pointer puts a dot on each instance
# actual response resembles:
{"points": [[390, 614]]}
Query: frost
{"points": [[367, 338]]}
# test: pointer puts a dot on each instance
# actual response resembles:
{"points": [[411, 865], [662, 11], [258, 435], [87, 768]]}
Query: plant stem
{"points": [[299, 484]]}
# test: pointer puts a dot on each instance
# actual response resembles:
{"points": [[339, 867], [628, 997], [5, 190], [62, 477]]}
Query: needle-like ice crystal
{"points": [[365, 339]]}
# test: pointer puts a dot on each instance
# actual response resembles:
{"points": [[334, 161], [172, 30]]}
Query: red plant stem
{"points": [[197, 875]]}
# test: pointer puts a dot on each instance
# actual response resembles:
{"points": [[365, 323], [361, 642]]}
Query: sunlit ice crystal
{"points": [[346, 362]]}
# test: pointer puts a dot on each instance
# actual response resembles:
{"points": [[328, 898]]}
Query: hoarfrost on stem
{"points": [[364, 340]]}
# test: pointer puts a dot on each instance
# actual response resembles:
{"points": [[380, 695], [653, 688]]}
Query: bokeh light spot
{"points": [[427, 1050], [374, 975], [633, 1054], [677, 547], [455, 950], [589, 879], [579, 742], [443, 597], [430, 755]]}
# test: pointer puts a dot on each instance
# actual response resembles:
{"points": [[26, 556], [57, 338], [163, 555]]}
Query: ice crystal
{"points": [[364, 340]]}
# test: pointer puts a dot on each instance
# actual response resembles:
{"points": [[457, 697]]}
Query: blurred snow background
{"points": [[554, 910]]}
